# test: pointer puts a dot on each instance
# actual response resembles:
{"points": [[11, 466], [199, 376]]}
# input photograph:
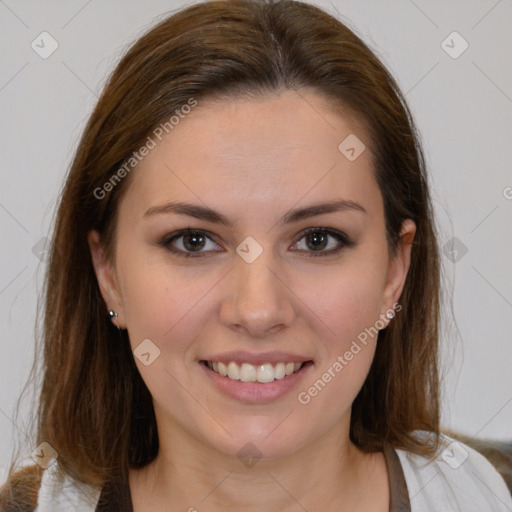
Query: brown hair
{"points": [[94, 408]]}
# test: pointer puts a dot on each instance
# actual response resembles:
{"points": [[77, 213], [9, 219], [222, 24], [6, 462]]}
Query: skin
{"points": [[253, 160]]}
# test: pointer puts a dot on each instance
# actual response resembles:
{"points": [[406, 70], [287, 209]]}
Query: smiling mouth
{"points": [[262, 373]]}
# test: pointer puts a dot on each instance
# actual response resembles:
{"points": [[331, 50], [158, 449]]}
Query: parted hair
{"points": [[94, 408]]}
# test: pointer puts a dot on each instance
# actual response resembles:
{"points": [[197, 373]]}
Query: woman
{"points": [[243, 292]]}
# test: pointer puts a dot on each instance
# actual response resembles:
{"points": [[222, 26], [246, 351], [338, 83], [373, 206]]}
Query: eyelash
{"points": [[342, 239]]}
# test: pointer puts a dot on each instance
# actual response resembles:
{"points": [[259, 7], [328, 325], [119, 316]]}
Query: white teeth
{"points": [[279, 371], [265, 373], [223, 369], [233, 371], [262, 373], [248, 373]]}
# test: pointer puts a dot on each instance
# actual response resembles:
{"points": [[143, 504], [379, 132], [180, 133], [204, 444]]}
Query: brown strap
{"points": [[399, 495]]}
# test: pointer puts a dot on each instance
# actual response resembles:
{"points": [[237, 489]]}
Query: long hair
{"points": [[94, 408]]}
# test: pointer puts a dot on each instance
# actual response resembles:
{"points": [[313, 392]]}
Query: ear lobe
{"points": [[399, 264], [107, 279]]}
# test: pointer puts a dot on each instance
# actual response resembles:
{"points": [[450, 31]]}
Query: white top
{"points": [[459, 480]]}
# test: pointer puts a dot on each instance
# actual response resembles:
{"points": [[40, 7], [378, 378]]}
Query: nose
{"points": [[257, 301]]}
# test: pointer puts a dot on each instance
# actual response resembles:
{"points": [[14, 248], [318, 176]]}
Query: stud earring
{"points": [[111, 315], [390, 315]]}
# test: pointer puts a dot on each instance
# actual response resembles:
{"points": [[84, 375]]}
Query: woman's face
{"points": [[286, 261]]}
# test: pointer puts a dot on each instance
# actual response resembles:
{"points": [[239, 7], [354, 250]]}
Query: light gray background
{"points": [[462, 106]]}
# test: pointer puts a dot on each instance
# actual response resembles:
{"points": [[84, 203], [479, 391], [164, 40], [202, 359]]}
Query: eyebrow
{"points": [[208, 214]]}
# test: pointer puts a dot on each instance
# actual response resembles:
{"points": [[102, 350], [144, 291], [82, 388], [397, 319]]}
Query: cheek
{"points": [[349, 305], [347, 298], [351, 311], [163, 303], [169, 308]]}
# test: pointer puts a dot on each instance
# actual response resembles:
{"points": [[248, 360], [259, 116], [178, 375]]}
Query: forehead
{"points": [[249, 153]]}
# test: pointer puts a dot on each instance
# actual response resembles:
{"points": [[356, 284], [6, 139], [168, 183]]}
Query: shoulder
{"points": [[34, 490], [20, 491], [61, 493], [457, 478]]}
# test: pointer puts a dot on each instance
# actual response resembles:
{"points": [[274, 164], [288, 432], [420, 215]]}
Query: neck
{"points": [[192, 476]]}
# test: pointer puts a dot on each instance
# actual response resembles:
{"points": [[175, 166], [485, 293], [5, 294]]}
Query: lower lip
{"points": [[256, 392]]}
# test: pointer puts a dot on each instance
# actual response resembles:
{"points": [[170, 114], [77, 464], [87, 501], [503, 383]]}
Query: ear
{"points": [[107, 278], [399, 266]]}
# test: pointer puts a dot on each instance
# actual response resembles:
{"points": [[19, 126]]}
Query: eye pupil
{"points": [[193, 242], [316, 241]]}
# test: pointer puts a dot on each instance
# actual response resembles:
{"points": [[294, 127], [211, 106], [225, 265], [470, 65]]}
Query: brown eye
{"points": [[194, 242], [190, 242], [317, 241], [322, 242]]}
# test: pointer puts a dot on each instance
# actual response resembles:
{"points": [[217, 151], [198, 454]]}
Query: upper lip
{"points": [[273, 357]]}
